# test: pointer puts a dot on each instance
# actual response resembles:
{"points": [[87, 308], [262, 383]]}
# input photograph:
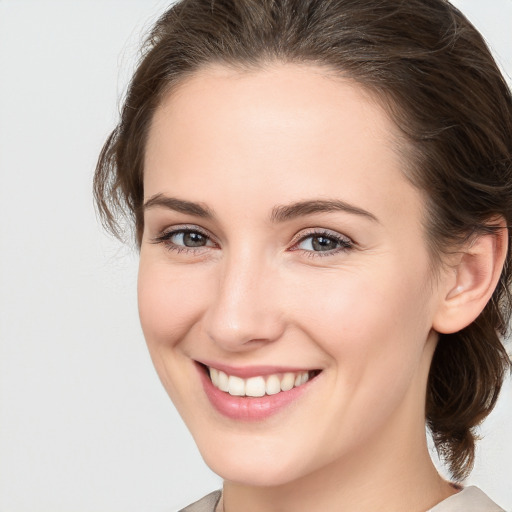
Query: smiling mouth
{"points": [[260, 385]]}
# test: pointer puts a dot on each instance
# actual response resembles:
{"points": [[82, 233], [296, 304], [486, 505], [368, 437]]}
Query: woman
{"points": [[321, 192]]}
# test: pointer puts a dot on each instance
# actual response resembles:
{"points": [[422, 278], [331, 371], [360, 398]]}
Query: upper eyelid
{"points": [[298, 237], [164, 235], [179, 228], [164, 239], [305, 233]]}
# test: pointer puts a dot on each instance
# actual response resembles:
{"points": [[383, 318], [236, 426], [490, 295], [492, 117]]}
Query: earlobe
{"points": [[471, 280]]}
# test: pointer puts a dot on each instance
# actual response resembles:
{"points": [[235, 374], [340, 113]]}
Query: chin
{"points": [[249, 470], [253, 476]]}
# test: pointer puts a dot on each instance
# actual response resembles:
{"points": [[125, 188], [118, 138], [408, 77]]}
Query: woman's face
{"points": [[282, 243]]}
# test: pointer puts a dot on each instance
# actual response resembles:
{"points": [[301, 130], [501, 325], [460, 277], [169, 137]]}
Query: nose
{"points": [[246, 313]]}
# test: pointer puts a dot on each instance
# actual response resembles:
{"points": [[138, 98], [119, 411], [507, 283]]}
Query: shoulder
{"points": [[206, 504], [470, 499]]}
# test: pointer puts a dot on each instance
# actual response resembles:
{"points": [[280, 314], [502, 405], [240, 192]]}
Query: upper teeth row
{"points": [[257, 386]]}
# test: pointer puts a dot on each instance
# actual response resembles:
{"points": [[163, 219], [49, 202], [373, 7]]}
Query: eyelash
{"points": [[344, 243], [165, 239]]}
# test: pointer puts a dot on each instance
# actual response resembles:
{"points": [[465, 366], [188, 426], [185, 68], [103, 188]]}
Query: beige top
{"points": [[470, 499]]}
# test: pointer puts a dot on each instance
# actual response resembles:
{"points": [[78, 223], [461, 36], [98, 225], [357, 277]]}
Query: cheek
{"points": [[366, 321], [374, 332], [170, 304], [169, 300]]}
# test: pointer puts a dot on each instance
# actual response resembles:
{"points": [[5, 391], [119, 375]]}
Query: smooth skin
{"points": [[350, 291]]}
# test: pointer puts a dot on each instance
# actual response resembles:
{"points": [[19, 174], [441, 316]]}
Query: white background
{"points": [[84, 423]]}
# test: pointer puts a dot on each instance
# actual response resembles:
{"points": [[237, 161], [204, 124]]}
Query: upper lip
{"points": [[246, 372]]}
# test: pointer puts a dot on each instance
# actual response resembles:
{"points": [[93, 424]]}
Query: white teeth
{"points": [[236, 386], [257, 386], [214, 375], [223, 382], [301, 378], [287, 381], [273, 385]]}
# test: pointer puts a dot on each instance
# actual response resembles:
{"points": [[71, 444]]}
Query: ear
{"points": [[468, 284]]}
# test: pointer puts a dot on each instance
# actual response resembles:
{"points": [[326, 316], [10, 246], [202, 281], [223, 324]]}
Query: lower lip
{"points": [[249, 408]]}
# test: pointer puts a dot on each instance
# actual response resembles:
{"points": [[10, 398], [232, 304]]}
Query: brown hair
{"points": [[437, 79]]}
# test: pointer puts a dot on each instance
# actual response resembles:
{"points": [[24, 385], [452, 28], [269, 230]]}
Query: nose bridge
{"points": [[243, 310]]}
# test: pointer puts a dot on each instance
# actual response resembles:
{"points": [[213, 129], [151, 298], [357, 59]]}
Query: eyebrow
{"points": [[279, 214], [178, 205], [302, 208]]}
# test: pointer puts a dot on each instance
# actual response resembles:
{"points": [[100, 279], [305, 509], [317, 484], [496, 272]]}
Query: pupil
{"points": [[194, 239], [322, 243]]}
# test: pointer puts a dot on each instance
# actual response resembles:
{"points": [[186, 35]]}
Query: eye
{"points": [[184, 239], [323, 242], [188, 239]]}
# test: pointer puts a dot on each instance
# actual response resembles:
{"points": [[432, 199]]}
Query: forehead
{"points": [[274, 134]]}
